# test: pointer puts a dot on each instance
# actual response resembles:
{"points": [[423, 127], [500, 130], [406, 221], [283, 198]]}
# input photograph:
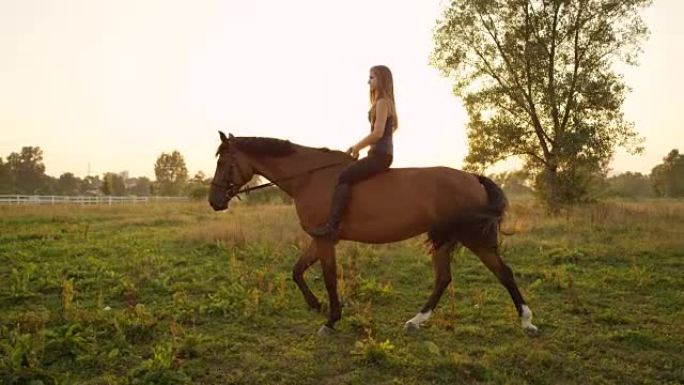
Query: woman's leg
{"points": [[364, 168], [355, 172]]}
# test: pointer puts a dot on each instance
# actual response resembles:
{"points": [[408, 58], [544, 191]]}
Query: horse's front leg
{"points": [[325, 250], [305, 261]]}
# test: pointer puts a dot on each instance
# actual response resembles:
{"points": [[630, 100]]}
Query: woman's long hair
{"points": [[384, 89]]}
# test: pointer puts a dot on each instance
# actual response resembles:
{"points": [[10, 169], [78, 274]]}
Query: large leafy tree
{"points": [[171, 174], [667, 178], [27, 170], [537, 81]]}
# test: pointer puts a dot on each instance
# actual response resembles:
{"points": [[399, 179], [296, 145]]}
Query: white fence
{"points": [[83, 200]]}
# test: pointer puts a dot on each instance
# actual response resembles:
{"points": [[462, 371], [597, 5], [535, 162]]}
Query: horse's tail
{"points": [[481, 223]]}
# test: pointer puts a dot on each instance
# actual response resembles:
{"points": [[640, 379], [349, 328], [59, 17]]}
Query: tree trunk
{"points": [[551, 182]]}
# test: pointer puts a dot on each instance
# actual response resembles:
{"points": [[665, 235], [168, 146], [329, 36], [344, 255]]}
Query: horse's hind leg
{"points": [[441, 260], [307, 259], [490, 257]]}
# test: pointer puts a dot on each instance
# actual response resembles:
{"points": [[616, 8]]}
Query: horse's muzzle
{"points": [[219, 207], [220, 196], [218, 202]]}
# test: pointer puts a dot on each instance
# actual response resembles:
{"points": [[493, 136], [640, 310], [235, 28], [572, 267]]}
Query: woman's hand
{"points": [[353, 152]]}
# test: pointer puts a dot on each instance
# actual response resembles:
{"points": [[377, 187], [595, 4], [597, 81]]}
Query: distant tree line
{"points": [[24, 173], [666, 180]]}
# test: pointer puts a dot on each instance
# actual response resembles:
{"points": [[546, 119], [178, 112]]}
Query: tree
{"points": [[142, 187], [514, 183], [27, 169], [171, 174], [68, 184], [199, 178], [6, 183], [537, 82], [269, 195], [90, 185], [667, 178], [113, 184], [198, 186], [47, 185], [630, 185]]}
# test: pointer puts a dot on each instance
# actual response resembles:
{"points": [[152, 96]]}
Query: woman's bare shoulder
{"points": [[381, 105]]}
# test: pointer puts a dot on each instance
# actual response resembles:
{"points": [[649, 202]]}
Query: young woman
{"points": [[383, 119]]}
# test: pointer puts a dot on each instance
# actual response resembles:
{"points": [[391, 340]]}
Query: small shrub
{"points": [[361, 322], [136, 324], [20, 279], [563, 256], [371, 289], [66, 341], [369, 351], [67, 295], [33, 321], [190, 345], [230, 300], [159, 370], [19, 352]]}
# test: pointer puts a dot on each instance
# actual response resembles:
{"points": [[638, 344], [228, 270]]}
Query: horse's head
{"points": [[232, 172]]}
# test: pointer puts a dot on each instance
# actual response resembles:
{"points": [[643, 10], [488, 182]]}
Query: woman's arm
{"points": [[381, 112]]}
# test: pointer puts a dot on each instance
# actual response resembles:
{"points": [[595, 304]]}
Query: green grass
{"points": [[177, 294]]}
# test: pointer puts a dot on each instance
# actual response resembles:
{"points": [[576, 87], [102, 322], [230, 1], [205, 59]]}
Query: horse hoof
{"points": [[325, 331], [411, 327], [531, 330]]}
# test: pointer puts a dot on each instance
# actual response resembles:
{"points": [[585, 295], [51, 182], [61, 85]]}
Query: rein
{"points": [[273, 183]]}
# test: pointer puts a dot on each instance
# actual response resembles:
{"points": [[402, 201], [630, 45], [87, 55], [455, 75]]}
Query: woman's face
{"points": [[372, 81]]}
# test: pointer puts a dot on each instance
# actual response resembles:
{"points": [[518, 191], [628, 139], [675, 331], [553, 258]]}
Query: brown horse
{"points": [[453, 207]]}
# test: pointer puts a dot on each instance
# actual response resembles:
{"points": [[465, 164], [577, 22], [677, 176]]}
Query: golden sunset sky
{"points": [[111, 84]]}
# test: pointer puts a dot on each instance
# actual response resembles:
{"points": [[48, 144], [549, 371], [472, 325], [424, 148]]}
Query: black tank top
{"points": [[384, 145]]}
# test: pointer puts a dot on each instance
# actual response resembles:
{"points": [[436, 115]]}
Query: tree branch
{"points": [[552, 69], [539, 130], [535, 28], [492, 73], [527, 52], [528, 153], [577, 59]]}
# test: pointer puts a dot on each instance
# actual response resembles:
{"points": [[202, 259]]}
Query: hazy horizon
{"points": [[112, 85]]}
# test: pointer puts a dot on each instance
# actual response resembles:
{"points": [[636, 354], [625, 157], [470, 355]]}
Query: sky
{"points": [[107, 86]]}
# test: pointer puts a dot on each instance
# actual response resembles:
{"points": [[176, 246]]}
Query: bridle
{"points": [[233, 189]]}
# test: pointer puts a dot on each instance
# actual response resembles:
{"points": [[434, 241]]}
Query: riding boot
{"points": [[339, 203]]}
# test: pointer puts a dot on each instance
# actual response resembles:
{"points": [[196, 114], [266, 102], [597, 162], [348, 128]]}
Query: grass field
{"points": [[178, 294]]}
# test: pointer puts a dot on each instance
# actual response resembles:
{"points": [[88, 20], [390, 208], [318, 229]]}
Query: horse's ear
{"points": [[223, 137], [230, 136]]}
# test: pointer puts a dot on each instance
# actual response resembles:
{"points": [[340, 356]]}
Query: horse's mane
{"points": [[270, 146], [265, 146]]}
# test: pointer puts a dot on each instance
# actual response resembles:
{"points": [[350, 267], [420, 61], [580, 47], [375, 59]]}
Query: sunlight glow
{"points": [[114, 84]]}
